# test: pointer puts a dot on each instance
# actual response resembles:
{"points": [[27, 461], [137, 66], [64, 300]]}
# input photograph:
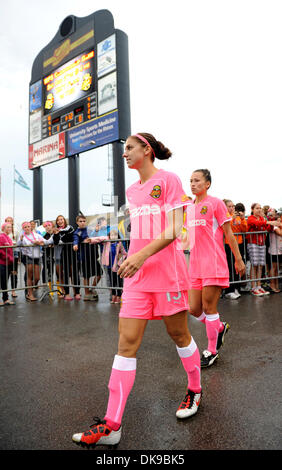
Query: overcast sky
{"points": [[206, 79]]}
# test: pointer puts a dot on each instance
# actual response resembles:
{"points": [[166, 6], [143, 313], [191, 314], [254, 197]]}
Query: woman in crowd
{"points": [[31, 242], [6, 261], [207, 221], [63, 236], [14, 273], [238, 224], [155, 284], [256, 247]]}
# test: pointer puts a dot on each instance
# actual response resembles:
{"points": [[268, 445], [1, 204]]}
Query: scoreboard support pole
{"points": [[74, 193], [37, 195], [118, 175]]}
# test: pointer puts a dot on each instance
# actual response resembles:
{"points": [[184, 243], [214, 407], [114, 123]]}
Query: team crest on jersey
{"points": [[156, 192], [204, 210]]}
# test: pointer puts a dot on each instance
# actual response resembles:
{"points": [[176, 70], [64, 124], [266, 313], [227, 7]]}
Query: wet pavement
{"points": [[55, 363]]}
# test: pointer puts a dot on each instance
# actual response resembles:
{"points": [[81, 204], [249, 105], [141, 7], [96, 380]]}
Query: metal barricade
{"points": [[263, 262], [57, 268]]}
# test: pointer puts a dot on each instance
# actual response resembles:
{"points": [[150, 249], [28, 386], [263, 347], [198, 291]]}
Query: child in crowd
{"points": [[6, 261], [113, 255], [87, 256]]}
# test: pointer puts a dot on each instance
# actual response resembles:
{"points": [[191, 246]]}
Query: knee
{"points": [[194, 311], [128, 345], [181, 337], [208, 308]]}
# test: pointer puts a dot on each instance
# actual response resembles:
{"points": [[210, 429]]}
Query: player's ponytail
{"points": [[159, 150]]}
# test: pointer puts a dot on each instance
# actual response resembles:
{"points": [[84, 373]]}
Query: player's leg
{"points": [[108, 430], [195, 304], [177, 328], [214, 327]]}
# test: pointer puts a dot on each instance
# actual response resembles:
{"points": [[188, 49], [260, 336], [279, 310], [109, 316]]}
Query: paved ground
{"points": [[55, 361]]}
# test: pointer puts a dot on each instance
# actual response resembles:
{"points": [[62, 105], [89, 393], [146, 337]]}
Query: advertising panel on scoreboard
{"points": [[35, 128], [99, 131], [35, 96], [107, 93], [69, 83], [47, 151], [106, 56]]}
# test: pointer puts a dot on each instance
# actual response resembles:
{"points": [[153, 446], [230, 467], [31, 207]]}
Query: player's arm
{"points": [[239, 263], [134, 262]]}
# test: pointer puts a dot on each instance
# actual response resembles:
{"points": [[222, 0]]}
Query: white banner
{"points": [[47, 151]]}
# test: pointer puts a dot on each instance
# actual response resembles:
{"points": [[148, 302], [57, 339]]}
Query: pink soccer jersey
{"points": [[204, 224], [149, 204]]}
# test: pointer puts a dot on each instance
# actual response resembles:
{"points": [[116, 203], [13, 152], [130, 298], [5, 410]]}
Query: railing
{"points": [[261, 265], [58, 268]]}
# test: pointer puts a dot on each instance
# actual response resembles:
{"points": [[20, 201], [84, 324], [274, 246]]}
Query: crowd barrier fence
{"points": [[60, 268]]}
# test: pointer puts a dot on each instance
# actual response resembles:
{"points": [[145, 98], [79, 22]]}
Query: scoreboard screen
{"points": [[69, 83], [69, 98]]}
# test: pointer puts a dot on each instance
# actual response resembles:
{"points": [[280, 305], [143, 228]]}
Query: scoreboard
{"points": [[71, 89], [73, 105]]}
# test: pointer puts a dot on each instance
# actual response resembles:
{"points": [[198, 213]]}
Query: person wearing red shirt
{"points": [[256, 247]]}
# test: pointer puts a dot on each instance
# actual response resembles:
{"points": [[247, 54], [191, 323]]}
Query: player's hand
{"points": [[131, 265], [240, 267], [75, 247]]}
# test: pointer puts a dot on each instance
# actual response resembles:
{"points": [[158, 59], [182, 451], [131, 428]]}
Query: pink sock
{"points": [[213, 325], [190, 358], [120, 384]]}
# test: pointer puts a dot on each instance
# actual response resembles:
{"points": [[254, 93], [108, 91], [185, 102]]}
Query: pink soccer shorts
{"points": [[198, 284], [152, 305]]}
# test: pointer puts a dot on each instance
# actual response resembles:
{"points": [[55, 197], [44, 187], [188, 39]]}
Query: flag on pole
{"points": [[19, 179]]}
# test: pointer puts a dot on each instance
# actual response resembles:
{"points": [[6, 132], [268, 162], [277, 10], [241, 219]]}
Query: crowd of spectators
{"points": [[70, 253], [261, 247]]}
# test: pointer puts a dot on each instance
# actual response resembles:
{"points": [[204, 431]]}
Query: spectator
{"points": [[6, 261], [63, 235], [101, 230], [48, 256], [113, 255], [265, 210], [33, 224], [124, 226], [31, 243], [230, 292], [275, 249], [14, 273], [238, 224], [88, 257], [256, 247]]}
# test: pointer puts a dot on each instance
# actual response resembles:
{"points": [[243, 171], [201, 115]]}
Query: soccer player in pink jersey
{"points": [[207, 220], [155, 285]]}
